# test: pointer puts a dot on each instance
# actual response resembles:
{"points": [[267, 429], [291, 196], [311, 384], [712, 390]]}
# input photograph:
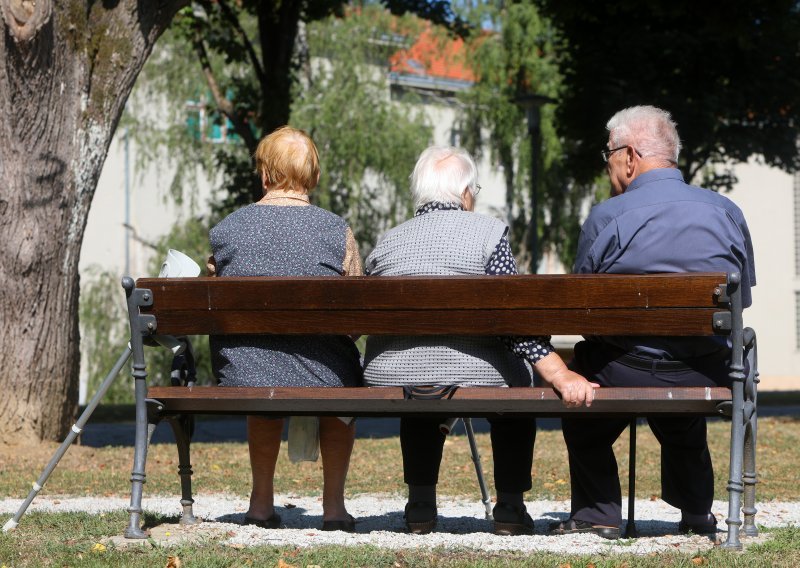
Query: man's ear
{"points": [[630, 161]]}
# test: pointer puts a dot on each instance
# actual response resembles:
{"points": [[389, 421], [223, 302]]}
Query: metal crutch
{"points": [[447, 427], [76, 429]]}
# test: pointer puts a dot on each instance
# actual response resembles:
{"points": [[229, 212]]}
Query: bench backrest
{"points": [[693, 304]]}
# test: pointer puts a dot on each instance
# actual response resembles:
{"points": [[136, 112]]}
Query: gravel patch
{"points": [[380, 523]]}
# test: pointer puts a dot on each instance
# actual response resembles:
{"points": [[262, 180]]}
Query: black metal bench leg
{"points": [[183, 437], [140, 326], [630, 527], [735, 483], [749, 478], [736, 374], [750, 436], [144, 430]]}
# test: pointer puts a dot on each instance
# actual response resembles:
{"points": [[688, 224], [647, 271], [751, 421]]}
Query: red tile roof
{"points": [[433, 55]]}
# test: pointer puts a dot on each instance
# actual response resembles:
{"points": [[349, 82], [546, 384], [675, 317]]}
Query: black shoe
{"points": [[511, 521], [705, 528], [273, 522], [347, 525], [574, 526], [420, 517]]}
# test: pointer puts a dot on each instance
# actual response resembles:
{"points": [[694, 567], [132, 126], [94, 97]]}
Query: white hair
{"points": [[650, 130], [442, 173]]}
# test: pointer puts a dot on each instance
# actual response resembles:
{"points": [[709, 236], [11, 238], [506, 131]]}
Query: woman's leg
{"points": [[336, 444], [422, 442], [264, 441]]}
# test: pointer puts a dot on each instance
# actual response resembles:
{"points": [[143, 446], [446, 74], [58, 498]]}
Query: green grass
{"points": [[224, 467], [51, 539]]}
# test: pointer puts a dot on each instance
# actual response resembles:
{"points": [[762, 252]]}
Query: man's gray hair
{"points": [[442, 173], [650, 130]]}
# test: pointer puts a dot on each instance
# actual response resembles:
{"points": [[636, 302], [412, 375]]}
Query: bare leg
{"points": [[336, 444], [264, 440]]}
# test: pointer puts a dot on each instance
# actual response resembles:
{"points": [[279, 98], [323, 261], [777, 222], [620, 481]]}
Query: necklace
{"points": [[296, 197]]}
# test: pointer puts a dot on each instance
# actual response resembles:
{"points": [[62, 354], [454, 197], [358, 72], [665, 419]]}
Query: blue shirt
{"points": [[662, 224]]}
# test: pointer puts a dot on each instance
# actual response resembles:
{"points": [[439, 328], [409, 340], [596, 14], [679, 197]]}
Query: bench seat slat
{"points": [[389, 401]]}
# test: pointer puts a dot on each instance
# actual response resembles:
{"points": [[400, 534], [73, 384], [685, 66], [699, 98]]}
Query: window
{"points": [[208, 126]]}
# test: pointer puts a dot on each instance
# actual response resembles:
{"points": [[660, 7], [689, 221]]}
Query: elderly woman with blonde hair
{"points": [[445, 237], [284, 235]]}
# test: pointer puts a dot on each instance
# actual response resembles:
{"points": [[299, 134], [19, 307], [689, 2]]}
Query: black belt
{"points": [[652, 365]]}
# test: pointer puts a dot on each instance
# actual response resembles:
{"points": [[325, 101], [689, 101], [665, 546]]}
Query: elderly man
{"points": [[654, 222]]}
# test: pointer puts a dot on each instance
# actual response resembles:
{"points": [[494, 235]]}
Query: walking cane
{"points": [[76, 429], [447, 427]]}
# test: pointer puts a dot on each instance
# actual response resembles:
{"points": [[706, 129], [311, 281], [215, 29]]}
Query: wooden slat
{"points": [[663, 321], [659, 304], [465, 402], [422, 293]]}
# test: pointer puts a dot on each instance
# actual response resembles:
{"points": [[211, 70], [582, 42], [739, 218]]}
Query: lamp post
{"points": [[532, 105]]}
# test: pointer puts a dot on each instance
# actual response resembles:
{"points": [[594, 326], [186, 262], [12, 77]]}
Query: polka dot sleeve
{"points": [[532, 349]]}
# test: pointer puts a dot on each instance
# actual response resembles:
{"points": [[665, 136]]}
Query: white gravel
{"points": [[380, 523]]}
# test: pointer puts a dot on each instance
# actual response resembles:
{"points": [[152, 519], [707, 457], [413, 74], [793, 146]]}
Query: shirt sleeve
{"points": [[352, 258], [533, 348], [583, 262]]}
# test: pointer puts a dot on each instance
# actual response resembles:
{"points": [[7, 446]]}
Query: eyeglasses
{"points": [[477, 189], [607, 153]]}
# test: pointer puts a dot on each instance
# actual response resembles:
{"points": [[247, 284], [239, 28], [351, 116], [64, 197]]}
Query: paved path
{"points": [[461, 524]]}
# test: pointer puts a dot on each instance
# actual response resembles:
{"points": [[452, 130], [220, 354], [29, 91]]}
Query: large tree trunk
{"points": [[66, 70]]}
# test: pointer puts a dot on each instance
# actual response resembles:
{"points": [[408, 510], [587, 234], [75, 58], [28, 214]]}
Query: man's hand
{"points": [[574, 389]]}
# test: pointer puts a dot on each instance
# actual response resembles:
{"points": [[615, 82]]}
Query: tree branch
{"points": [[693, 165], [248, 45], [223, 104]]}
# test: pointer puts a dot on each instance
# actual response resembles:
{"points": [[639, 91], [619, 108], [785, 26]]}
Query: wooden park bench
{"points": [[700, 304]]}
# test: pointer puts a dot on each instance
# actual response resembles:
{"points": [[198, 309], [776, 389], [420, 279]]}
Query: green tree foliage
{"points": [[247, 56], [368, 143], [104, 333], [731, 79], [514, 55]]}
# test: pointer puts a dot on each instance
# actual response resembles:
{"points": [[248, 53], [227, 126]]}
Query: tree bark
{"points": [[66, 70]]}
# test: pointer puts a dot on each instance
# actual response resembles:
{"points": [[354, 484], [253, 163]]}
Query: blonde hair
{"points": [[287, 160]]}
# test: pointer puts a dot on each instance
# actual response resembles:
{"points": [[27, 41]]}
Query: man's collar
{"points": [[656, 174]]}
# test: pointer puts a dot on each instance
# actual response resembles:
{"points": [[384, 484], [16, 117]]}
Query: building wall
{"points": [[767, 198], [150, 213]]}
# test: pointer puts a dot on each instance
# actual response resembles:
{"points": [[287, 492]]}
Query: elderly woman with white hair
{"points": [[445, 237]]}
